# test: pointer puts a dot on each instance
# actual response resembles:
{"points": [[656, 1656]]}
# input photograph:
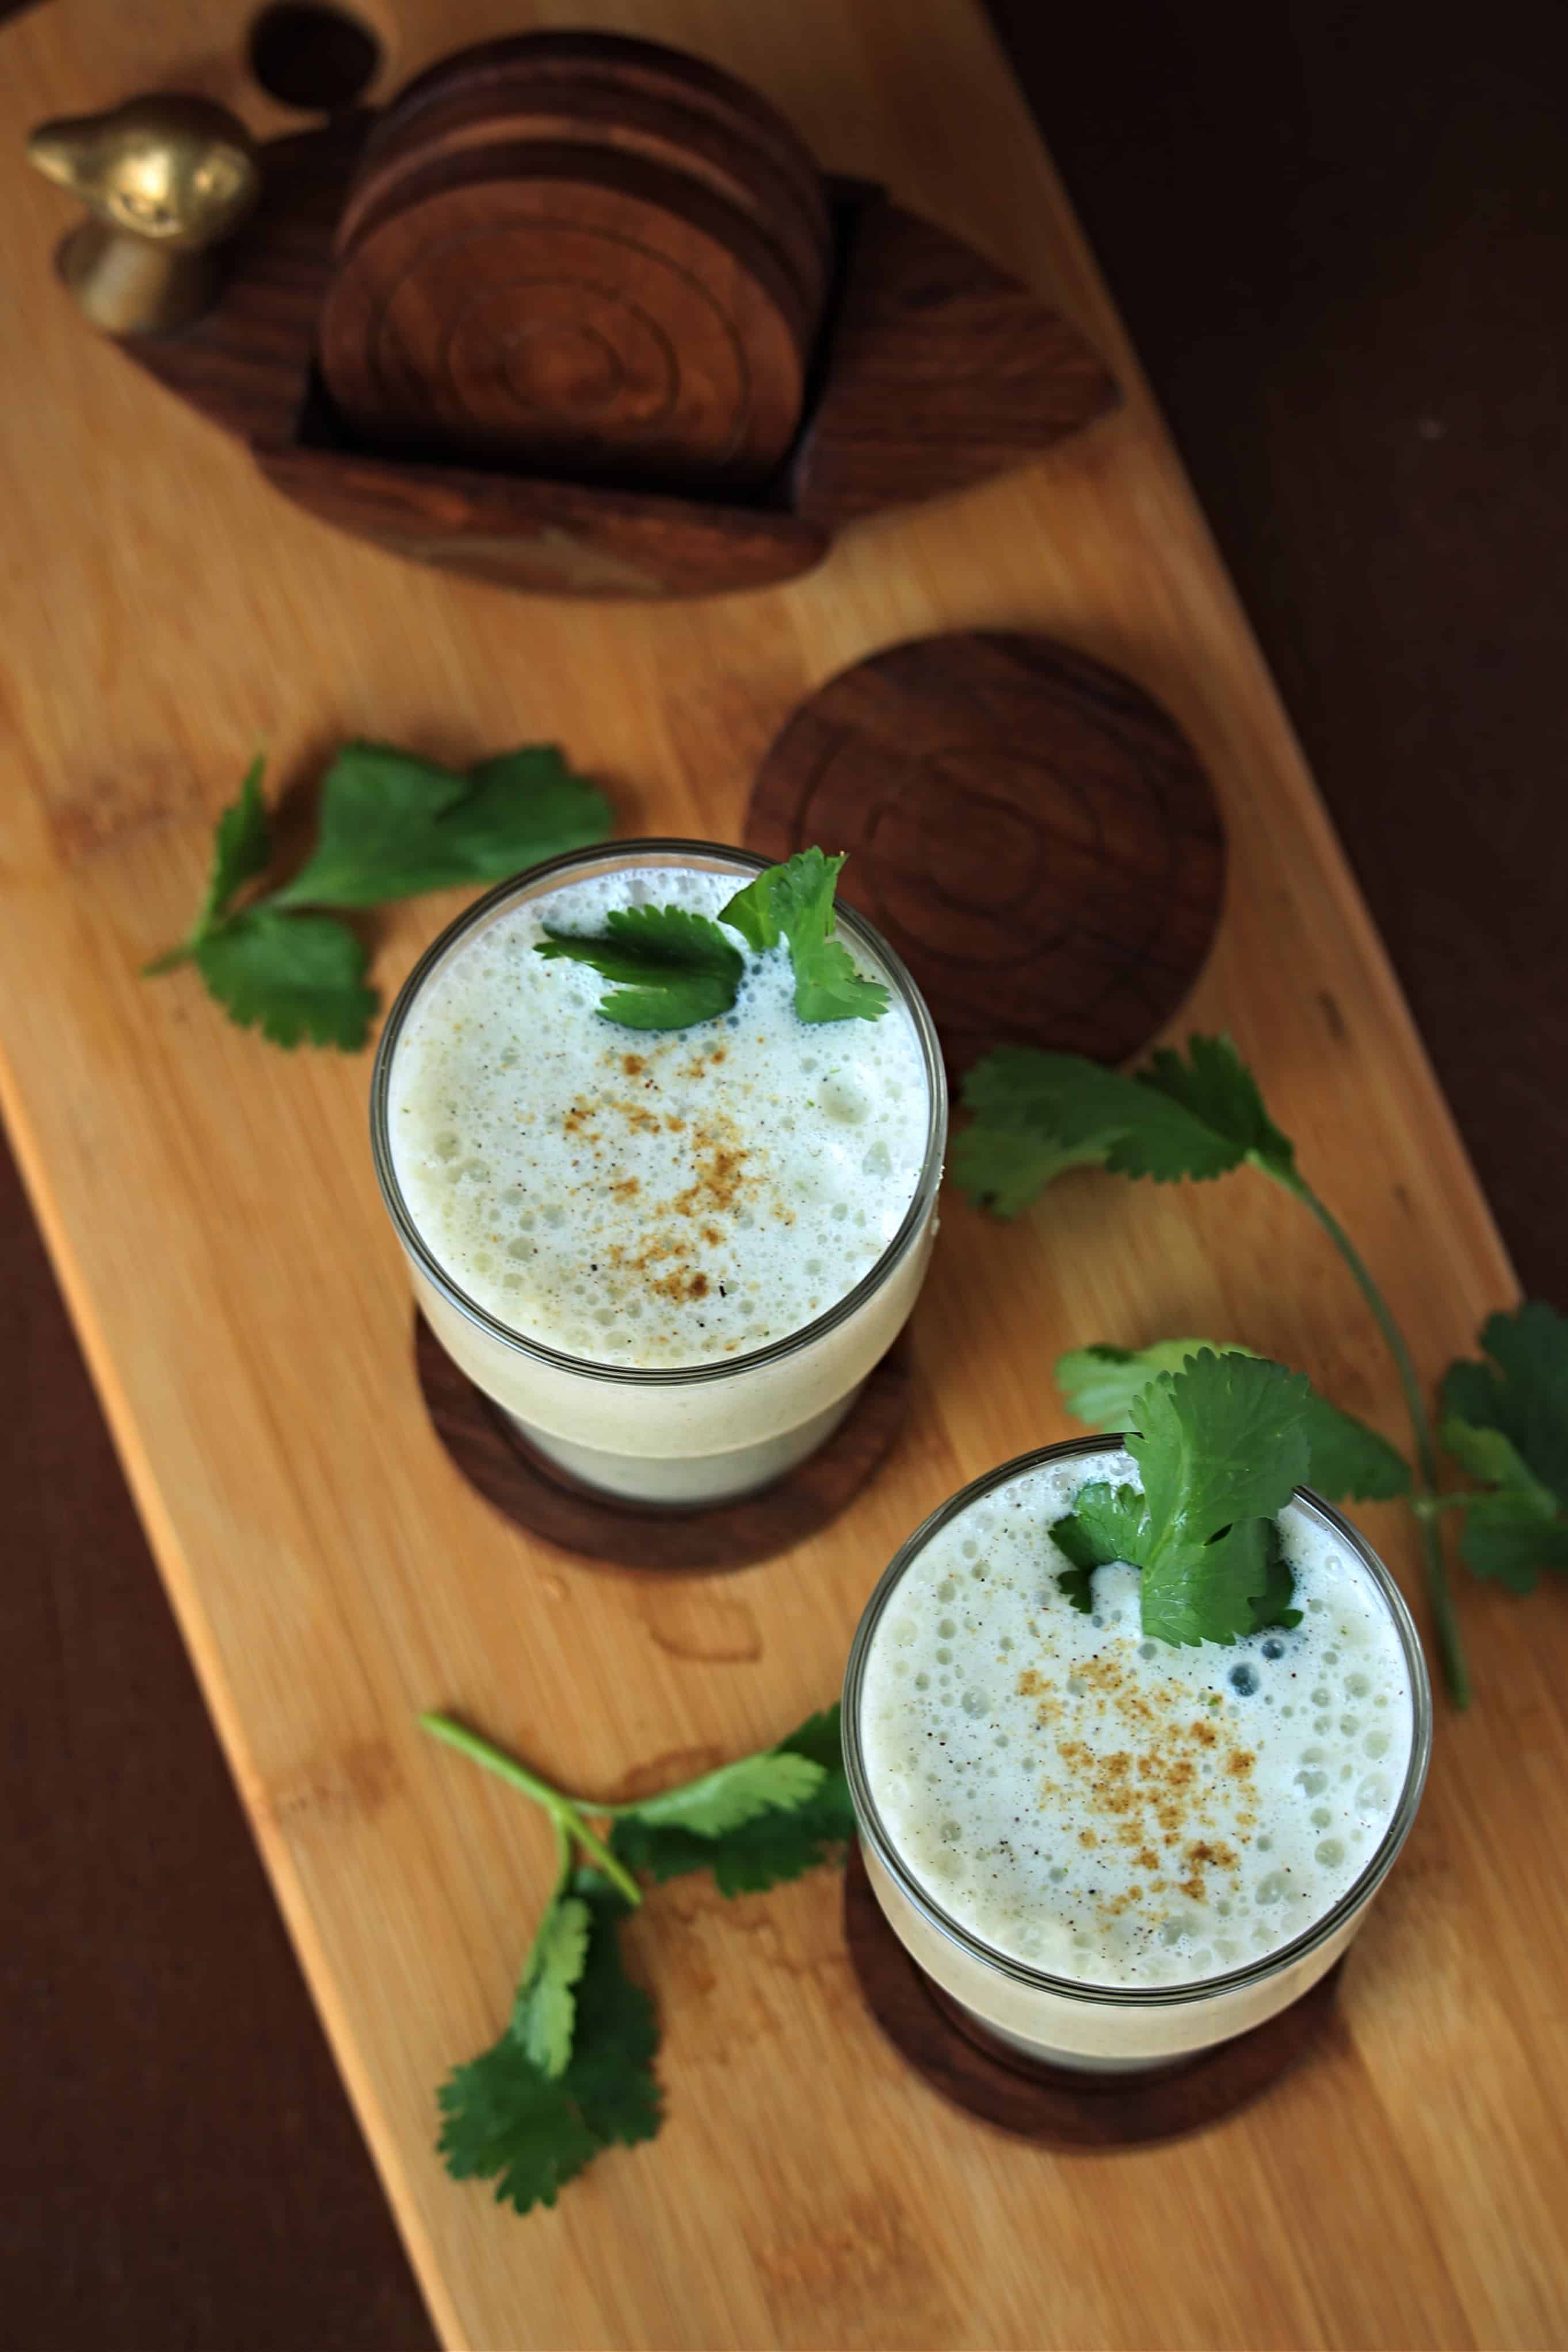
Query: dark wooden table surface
{"points": [[1339, 236]]}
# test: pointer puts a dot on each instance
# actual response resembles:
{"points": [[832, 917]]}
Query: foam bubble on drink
{"points": [[649, 1197], [1114, 1809]]}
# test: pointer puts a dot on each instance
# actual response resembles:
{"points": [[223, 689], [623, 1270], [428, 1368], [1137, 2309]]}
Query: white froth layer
{"points": [[639, 1197], [1116, 1811]]}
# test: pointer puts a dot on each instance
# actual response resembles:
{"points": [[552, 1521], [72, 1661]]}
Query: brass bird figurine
{"points": [[164, 180]]}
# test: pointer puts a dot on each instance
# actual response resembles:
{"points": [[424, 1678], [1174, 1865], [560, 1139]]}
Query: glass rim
{"points": [[669, 850], [1120, 1996]]}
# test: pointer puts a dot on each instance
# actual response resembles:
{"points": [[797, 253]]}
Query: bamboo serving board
{"points": [[211, 1209]]}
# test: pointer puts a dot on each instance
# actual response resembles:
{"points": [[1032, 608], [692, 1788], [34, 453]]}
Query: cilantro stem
{"points": [[566, 1815], [170, 961], [1432, 1507], [1426, 1500]]}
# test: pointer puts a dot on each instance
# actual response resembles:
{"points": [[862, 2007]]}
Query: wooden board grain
{"points": [[210, 1206]]}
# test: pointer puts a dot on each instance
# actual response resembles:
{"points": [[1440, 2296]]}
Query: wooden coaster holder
{"points": [[934, 370], [1059, 2107]]}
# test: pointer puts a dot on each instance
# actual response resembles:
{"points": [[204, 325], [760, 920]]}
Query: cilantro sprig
{"points": [[795, 902], [1197, 1118], [391, 826], [572, 2072], [1345, 1458], [1506, 1422], [673, 968], [1220, 1445]]}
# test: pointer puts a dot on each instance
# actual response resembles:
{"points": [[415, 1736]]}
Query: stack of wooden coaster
{"points": [[581, 254]]}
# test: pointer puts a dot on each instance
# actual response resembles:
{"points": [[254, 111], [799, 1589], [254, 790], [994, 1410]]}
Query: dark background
{"points": [[1339, 236]]}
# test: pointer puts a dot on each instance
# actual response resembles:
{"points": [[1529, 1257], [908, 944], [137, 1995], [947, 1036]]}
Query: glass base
{"points": [[1027, 2058], [686, 1482], [1067, 2107]]}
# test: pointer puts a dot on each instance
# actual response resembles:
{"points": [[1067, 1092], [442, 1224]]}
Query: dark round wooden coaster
{"points": [[558, 113], [572, 307], [1029, 829], [621, 61], [1057, 2106], [549, 1502]]}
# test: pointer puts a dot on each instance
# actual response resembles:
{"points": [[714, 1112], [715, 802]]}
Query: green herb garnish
{"points": [[573, 2072], [1221, 1445], [1346, 1458], [391, 826], [764, 1851], [506, 2118], [795, 902], [673, 968], [1035, 1115], [1038, 1113], [1506, 1423]]}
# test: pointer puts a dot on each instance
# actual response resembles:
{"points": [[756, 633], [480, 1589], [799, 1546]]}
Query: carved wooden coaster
{"points": [[631, 67], [584, 307], [1029, 829], [724, 158], [549, 1502], [1058, 2106]]}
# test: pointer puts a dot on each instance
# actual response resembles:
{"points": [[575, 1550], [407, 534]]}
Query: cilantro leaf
{"points": [[1506, 1422], [1523, 1391], [390, 825], [610, 2076], [1099, 1384], [393, 824], [1076, 1112], [777, 1781], [1215, 1084], [520, 808], [1509, 1535], [769, 1848], [545, 2010], [506, 2119], [1347, 1457], [795, 902], [1003, 1169], [1272, 1597], [297, 975], [1105, 1524], [1496, 1461], [1240, 1581], [753, 911], [241, 845], [1196, 1119], [1077, 1584], [1220, 1445], [673, 968], [1222, 1439]]}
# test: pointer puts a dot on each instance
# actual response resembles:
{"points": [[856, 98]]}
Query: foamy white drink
{"points": [[1110, 1850], [673, 1257]]}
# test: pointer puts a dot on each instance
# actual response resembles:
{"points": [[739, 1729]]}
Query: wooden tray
{"points": [[211, 1211]]}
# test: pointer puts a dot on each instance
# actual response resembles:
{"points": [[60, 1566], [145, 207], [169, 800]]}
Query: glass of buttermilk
{"points": [[672, 1258], [1111, 1853]]}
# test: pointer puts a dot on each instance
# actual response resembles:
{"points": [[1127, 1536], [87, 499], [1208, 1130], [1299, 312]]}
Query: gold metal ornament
{"points": [[165, 180]]}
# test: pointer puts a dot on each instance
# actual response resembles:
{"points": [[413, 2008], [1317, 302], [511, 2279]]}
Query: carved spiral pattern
{"points": [[566, 324]]}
